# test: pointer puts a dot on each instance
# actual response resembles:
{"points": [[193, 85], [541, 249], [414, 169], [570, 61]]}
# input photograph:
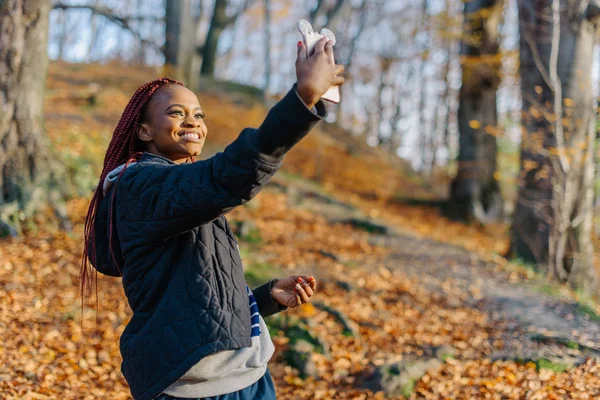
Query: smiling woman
{"points": [[157, 220], [172, 124]]}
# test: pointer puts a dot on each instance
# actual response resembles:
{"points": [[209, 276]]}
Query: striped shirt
{"points": [[254, 315]]}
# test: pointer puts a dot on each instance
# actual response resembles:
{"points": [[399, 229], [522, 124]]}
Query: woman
{"points": [[157, 220]]}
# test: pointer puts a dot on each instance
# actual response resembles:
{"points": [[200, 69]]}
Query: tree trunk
{"points": [[474, 192], [267, 45], [553, 215], [25, 165], [62, 39], [330, 14], [218, 24], [179, 39], [347, 61]]}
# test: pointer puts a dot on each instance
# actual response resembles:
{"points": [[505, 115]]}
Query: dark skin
{"points": [[174, 128]]}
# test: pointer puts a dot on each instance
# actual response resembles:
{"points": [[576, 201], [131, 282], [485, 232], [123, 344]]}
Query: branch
{"points": [[315, 12], [333, 12], [109, 14], [557, 84], [123, 22], [538, 60], [243, 8]]}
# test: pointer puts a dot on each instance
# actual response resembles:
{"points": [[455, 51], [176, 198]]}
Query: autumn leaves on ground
{"points": [[370, 311]]}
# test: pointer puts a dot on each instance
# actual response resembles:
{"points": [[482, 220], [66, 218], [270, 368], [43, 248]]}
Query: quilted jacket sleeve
{"points": [[164, 200], [266, 305]]}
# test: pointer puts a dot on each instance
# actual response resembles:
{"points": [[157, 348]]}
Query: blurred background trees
{"points": [[455, 88], [29, 177]]}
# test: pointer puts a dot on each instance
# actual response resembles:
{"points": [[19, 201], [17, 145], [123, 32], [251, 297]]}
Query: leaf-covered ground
{"points": [[405, 294]]}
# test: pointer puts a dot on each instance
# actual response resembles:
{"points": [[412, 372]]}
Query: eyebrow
{"points": [[182, 106]]}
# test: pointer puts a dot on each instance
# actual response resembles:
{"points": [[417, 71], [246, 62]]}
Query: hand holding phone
{"points": [[310, 39]]}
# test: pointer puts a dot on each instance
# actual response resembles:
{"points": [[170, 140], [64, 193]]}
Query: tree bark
{"points": [[553, 215], [267, 44], [361, 10], [330, 14], [26, 172], [474, 192], [218, 23], [179, 39]]}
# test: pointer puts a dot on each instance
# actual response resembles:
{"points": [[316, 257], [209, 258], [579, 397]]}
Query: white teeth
{"points": [[190, 136]]}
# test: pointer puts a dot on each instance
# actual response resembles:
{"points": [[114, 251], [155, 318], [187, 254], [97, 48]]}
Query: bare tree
{"points": [[553, 215], [267, 45], [125, 22], [328, 13], [62, 38], [219, 22], [474, 192], [94, 32], [385, 63], [350, 46], [423, 59], [179, 38], [26, 167]]}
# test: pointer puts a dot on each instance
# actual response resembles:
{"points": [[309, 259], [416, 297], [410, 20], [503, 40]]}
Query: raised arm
{"points": [[164, 199]]}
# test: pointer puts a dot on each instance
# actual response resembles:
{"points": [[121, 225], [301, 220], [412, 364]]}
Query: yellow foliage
{"points": [[529, 165], [474, 124]]}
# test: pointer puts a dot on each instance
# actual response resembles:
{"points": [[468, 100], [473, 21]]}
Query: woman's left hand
{"points": [[293, 290]]}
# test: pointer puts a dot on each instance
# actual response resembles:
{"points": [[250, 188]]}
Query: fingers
{"points": [[305, 287], [338, 69], [337, 80], [301, 291], [309, 280], [329, 49], [298, 300], [320, 46], [301, 51]]}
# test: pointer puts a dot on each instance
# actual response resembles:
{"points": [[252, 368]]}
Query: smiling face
{"points": [[172, 125]]}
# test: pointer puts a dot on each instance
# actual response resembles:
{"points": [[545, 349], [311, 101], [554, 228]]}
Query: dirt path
{"points": [[541, 325], [538, 325]]}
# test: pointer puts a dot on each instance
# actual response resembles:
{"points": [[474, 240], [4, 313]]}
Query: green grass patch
{"points": [[519, 262], [408, 388], [294, 329], [544, 363], [549, 289], [446, 356], [588, 310], [252, 237], [290, 176], [260, 273]]}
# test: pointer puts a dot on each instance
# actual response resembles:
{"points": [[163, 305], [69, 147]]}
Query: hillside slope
{"points": [[83, 104], [388, 303]]}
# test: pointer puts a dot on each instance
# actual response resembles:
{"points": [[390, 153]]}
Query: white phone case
{"points": [[310, 38]]}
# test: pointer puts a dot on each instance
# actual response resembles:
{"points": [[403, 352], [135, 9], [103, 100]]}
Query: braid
{"points": [[122, 148]]}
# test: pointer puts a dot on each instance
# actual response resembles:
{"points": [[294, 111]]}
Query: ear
{"points": [[144, 133]]}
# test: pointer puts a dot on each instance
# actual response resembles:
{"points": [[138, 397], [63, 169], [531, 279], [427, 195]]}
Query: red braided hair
{"points": [[122, 149]]}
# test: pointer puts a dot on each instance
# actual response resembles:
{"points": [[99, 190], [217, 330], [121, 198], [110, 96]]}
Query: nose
{"points": [[191, 122]]}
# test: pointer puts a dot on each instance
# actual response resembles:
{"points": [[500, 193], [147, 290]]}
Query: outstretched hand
{"points": [[293, 290], [317, 73]]}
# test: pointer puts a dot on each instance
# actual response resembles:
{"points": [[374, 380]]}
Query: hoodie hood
{"points": [[105, 261], [113, 176]]}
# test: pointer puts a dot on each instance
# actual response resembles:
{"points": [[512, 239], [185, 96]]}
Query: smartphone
{"points": [[310, 39]]}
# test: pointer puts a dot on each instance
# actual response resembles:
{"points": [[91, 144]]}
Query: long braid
{"points": [[122, 148]]}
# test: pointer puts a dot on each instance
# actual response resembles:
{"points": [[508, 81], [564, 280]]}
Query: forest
{"points": [[448, 205]]}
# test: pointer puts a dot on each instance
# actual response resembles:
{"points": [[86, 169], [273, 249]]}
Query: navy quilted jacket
{"points": [[182, 272]]}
